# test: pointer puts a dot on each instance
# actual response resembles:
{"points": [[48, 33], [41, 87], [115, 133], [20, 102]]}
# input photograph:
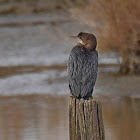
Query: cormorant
{"points": [[83, 66]]}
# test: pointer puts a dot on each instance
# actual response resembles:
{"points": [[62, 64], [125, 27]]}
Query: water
{"points": [[45, 117]]}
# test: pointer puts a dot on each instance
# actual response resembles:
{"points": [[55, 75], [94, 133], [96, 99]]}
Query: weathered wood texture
{"points": [[85, 120]]}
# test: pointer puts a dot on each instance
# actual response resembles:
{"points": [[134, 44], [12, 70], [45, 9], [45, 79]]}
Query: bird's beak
{"points": [[78, 39], [74, 37]]}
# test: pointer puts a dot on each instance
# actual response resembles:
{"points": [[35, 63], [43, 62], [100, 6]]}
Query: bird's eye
{"points": [[80, 37]]}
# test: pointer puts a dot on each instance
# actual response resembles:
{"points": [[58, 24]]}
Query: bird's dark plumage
{"points": [[82, 70]]}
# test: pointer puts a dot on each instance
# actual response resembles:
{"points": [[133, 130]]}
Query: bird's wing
{"points": [[82, 72], [89, 74], [75, 65]]}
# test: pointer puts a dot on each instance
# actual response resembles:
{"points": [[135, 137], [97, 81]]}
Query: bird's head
{"points": [[87, 40]]}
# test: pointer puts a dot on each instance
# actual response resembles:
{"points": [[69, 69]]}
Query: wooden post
{"points": [[85, 120]]}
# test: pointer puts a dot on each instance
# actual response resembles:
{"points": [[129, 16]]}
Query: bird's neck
{"points": [[80, 45], [89, 47]]}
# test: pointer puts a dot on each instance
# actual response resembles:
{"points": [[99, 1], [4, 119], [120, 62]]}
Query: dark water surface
{"points": [[45, 117]]}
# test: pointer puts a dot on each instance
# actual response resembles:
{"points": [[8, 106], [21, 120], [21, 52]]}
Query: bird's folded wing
{"points": [[75, 73], [82, 72], [89, 75]]}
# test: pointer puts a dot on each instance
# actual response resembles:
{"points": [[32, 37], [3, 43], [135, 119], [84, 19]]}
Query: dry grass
{"points": [[123, 28], [117, 27], [122, 20]]}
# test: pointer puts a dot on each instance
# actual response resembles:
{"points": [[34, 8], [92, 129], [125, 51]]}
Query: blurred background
{"points": [[34, 49]]}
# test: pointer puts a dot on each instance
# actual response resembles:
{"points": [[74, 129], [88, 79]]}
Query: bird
{"points": [[82, 66]]}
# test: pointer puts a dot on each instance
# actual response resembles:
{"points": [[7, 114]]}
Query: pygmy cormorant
{"points": [[83, 66]]}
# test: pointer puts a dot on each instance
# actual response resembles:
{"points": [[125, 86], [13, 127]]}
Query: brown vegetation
{"points": [[121, 26], [117, 25]]}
